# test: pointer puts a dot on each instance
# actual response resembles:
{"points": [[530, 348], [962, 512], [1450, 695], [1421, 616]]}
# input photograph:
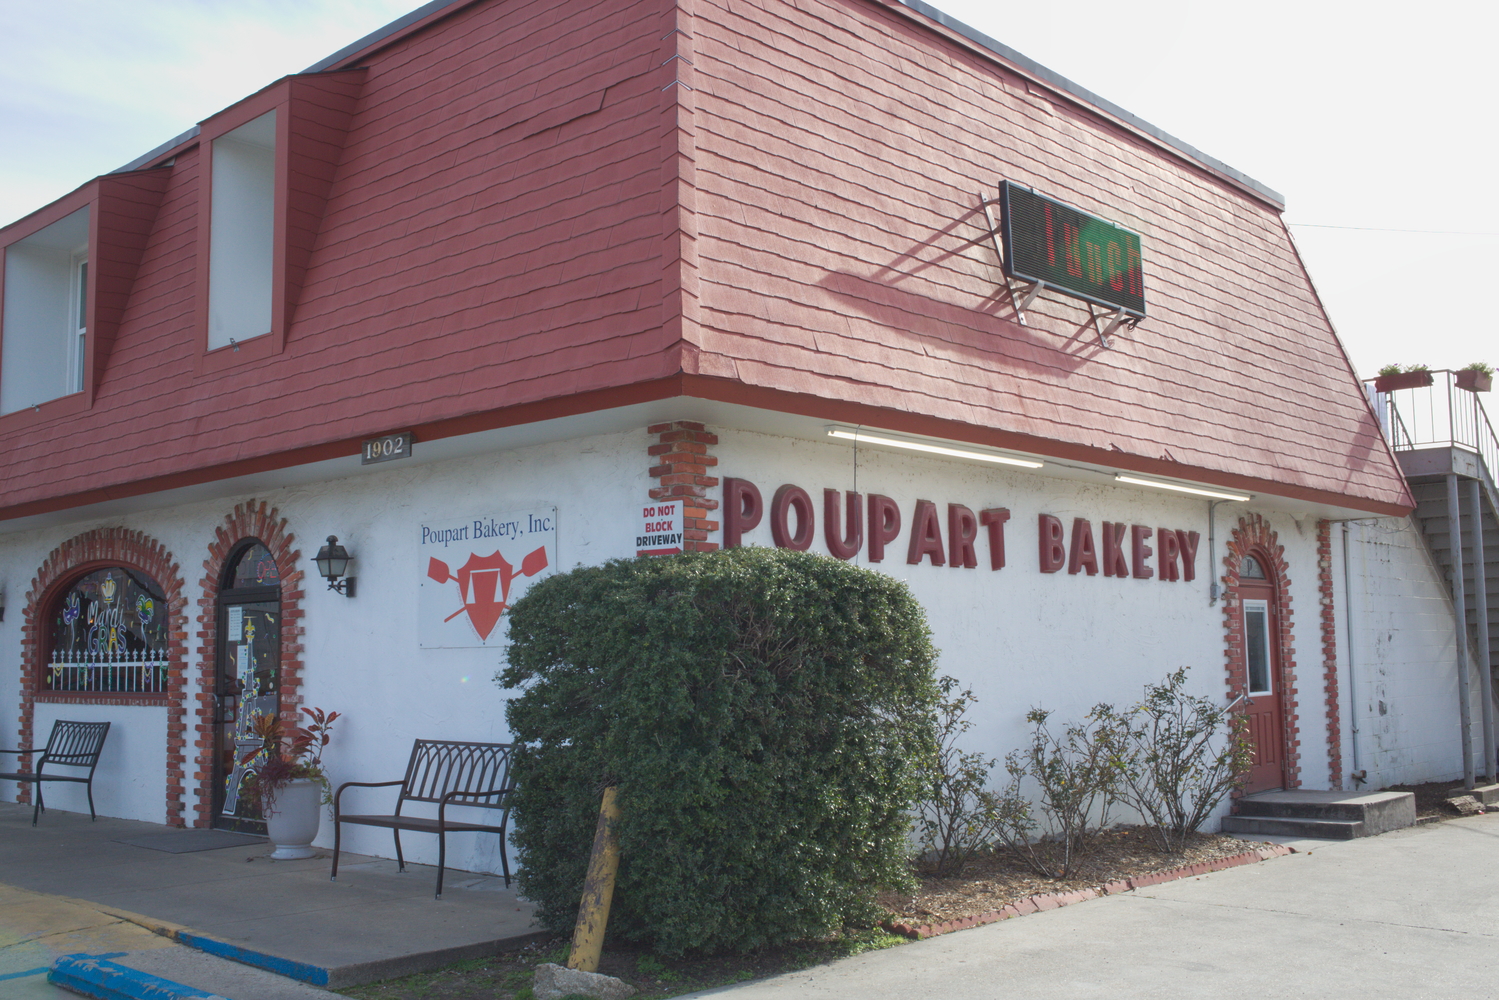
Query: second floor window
{"points": [[43, 333], [241, 232]]}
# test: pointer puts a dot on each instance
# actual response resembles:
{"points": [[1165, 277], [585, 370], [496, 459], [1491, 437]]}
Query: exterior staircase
{"points": [[1432, 515], [1321, 815], [1441, 435]]}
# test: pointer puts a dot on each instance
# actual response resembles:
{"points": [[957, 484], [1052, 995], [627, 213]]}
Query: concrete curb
{"points": [[1053, 900], [311, 974], [97, 977]]}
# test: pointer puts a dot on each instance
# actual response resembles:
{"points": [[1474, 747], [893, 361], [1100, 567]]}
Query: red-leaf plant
{"points": [[285, 755]]}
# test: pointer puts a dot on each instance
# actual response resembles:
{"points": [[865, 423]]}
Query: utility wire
{"points": [[1376, 229]]}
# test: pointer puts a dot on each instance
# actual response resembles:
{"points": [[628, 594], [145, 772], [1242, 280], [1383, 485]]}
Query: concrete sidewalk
{"points": [[285, 916], [1409, 914], [37, 929]]}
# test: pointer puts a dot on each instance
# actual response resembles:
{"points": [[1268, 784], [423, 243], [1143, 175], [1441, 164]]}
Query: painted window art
{"points": [[256, 568], [247, 680], [109, 634]]}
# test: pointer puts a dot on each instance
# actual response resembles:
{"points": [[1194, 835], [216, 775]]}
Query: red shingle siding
{"points": [[477, 250], [840, 150], [528, 201]]}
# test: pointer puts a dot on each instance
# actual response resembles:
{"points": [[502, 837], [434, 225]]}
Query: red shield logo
{"points": [[484, 585]]}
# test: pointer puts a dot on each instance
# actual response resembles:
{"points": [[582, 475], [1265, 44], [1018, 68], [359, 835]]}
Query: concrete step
{"points": [[1487, 794], [1341, 815], [1287, 826]]}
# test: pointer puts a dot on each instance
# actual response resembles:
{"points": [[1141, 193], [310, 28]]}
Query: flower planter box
{"points": [[1474, 381], [1403, 380]]}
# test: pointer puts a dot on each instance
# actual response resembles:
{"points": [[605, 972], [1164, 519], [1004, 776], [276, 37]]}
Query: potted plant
{"points": [[1392, 377], [1477, 377], [288, 781]]}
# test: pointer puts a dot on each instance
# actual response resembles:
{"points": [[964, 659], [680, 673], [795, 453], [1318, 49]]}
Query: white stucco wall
{"points": [[360, 656], [131, 779], [1401, 690], [1018, 637], [1022, 638]]}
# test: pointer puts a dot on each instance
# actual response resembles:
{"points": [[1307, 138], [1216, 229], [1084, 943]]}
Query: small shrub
{"points": [[1078, 774], [958, 816], [1180, 754], [764, 714], [1391, 370], [1482, 367]]}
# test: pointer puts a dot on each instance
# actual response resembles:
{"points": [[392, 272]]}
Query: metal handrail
{"points": [[1437, 416]]}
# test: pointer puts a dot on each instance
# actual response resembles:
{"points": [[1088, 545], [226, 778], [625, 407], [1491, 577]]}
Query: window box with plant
{"points": [[1477, 377], [1392, 377]]}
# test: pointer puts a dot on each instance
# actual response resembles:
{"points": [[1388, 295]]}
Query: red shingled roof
{"points": [[538, 210]]}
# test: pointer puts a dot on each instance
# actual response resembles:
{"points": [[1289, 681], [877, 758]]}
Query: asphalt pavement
{"points": [[1412, 914]]}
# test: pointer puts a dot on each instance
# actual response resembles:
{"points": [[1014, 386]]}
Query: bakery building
{"points": [[504, 289]]}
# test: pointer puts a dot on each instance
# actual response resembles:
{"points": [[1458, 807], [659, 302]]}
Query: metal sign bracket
{"points": [[1116, 318], [1028, 289]]}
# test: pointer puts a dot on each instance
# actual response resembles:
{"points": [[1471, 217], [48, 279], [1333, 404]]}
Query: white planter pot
{"points": [[293, 822]]}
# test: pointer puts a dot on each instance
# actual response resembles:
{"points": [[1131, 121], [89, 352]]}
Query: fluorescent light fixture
{"points": [[1199, 491], [911, 444]]}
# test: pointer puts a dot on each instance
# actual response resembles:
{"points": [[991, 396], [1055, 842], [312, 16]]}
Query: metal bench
{"points": [[444, 773], [72, 744]]}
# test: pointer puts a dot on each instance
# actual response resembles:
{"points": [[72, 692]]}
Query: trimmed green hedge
{"points": [[763, 713]]}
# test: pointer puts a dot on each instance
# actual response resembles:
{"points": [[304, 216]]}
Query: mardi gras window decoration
{"points": [[109, 634]]}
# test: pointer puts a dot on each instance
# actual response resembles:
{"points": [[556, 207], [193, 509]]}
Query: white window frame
{"points": [[1262, 606], [78, 324]]}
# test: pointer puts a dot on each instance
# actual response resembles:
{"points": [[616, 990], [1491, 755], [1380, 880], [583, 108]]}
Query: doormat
{"points": [[191, 841]]}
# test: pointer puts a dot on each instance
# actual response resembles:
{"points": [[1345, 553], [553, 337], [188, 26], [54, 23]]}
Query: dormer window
{"points": [[44, 348], [242, 229], [78, 361], [266, 165]]}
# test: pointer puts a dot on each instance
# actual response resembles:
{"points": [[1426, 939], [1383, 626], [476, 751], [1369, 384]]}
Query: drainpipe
{"points": [[1460, 598], [1481, 603], [1353, 772], [1213, 551]]}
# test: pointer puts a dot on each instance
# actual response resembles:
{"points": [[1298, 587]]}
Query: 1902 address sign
{"points": [[1070, 251]]}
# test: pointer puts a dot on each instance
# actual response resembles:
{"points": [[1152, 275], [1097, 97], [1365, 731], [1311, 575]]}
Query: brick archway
{"points": [[257, 521], [1254, 536], [98, 549]]}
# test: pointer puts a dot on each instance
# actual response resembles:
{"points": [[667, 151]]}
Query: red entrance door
{"points": [[1265, 706]]}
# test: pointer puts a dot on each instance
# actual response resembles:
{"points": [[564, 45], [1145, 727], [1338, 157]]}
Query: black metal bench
{"points": [[72, 744], [444, 773]]}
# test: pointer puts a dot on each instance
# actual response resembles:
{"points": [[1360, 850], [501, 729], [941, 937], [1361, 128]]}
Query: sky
{"points": [[1375, 124]]}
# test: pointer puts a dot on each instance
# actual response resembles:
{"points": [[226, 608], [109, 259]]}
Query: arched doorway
{"points": [[1263, 672], [247, 677]]}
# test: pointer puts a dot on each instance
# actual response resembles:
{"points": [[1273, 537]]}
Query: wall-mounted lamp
{"points": [[332, 562], [1197, 491], [891, 440]]}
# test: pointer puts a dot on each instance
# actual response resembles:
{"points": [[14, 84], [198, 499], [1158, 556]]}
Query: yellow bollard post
{"points": [[598, 890]]}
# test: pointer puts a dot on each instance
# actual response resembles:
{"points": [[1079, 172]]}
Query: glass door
{"points": [[247, 683]]}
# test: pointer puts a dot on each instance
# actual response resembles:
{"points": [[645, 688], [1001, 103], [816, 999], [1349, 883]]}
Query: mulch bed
{"points": [[998, 885]]}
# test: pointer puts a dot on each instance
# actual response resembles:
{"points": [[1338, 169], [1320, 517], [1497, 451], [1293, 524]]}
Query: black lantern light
{"points": [[332, 562]]}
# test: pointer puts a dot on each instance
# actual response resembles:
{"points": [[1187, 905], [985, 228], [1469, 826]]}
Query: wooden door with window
{"points": [[247, 681], [1264, 701]]}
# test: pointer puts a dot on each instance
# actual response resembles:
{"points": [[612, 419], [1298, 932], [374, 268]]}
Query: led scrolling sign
{"points": [[1054, 244]]}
